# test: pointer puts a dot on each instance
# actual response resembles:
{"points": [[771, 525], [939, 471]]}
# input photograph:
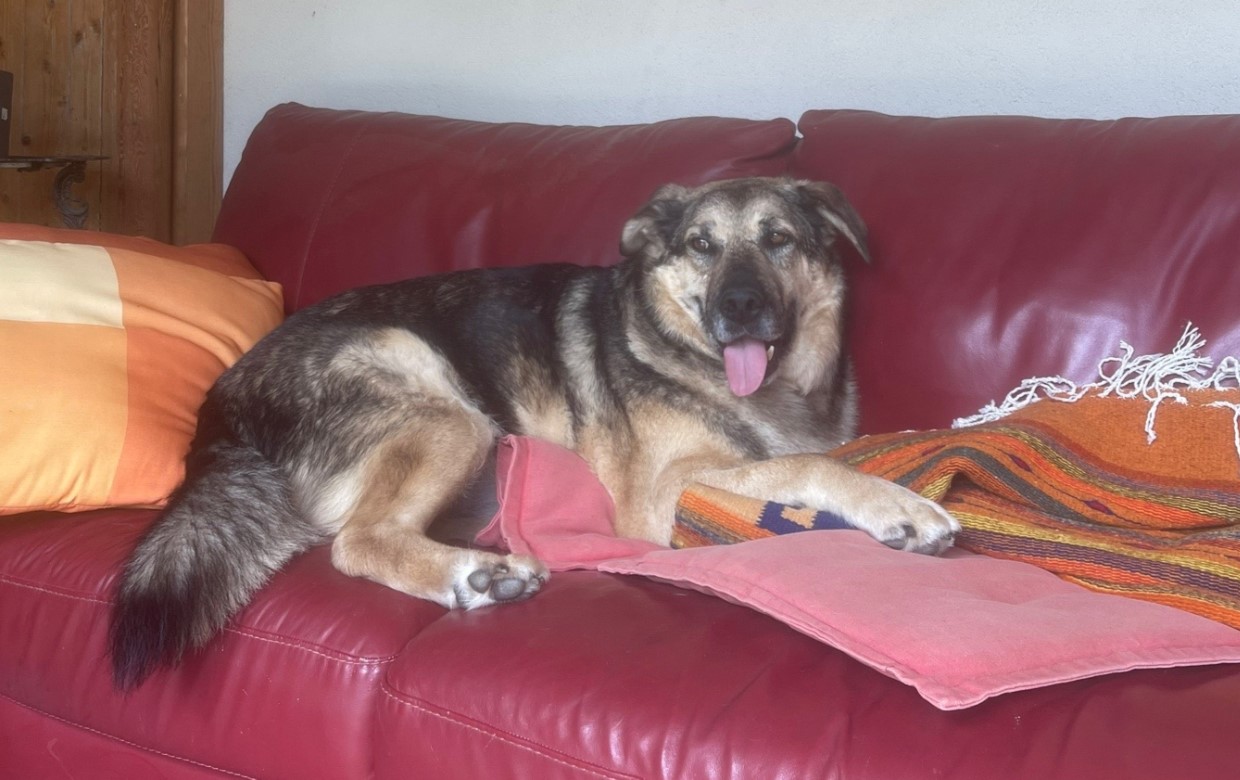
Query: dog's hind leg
{"points": [[412, 476]]}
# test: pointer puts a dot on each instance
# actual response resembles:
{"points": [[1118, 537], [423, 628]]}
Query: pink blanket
{"points": [[960, 628]]}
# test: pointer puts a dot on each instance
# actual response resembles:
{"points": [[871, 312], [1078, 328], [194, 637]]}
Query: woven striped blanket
{"points": [[1079, 486]]}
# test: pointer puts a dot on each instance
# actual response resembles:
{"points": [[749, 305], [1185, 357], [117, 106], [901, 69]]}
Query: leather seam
{"points": [[124, 741], [511, 739], [332, 655]]}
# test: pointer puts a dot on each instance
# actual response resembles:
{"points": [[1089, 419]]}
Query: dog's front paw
{"points": [[491, 579], [903, 520]]}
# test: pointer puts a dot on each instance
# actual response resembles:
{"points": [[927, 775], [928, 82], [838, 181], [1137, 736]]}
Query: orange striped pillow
{"points": [[107, 350]]}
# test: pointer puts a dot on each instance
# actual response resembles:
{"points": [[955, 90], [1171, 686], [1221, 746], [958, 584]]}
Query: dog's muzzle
{"points": [[746, 325]]}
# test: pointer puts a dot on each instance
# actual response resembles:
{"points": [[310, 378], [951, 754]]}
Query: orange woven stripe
{"points": [[1075, 488]]}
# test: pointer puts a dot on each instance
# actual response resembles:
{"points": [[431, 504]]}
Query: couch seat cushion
{"points": [[287, 691], [609, 676]]}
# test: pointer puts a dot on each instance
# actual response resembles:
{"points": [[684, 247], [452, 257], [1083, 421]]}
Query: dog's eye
{"points": [[775, 238], [699, 244]]}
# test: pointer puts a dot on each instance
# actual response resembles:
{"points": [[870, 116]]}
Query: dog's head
{"points": [[747, 272]]}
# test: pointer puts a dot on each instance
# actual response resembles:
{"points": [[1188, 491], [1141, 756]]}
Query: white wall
{"points": [[622, 61]]}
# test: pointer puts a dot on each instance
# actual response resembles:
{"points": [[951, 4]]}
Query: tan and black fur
{"points": [[364, 418]]}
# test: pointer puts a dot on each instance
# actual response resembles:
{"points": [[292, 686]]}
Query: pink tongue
{"points": [[744, 361]]}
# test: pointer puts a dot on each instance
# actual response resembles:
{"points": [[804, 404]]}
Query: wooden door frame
{"points": [[197, 118], [137, 118], [163, 97]]}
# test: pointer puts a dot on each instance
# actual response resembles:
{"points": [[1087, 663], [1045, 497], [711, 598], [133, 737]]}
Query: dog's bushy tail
{"points": [[225, 531]]}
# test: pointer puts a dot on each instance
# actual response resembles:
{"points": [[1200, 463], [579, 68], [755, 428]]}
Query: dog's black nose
{"points": [[742, 305]]}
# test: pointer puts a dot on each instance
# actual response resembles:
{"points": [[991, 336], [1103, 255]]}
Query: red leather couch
{"points": [[1004, 247]]}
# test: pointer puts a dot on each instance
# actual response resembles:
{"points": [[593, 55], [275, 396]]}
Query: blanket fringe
{"points": [[1157, 378]]}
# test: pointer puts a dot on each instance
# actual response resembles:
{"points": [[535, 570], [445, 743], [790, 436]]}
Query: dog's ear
{"points": [[831, 205], [656, 222]]}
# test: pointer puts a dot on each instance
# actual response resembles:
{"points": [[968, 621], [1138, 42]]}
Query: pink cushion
{"points": [[959, 629]]}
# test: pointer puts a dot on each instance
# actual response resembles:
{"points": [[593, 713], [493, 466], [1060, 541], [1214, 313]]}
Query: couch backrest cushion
{"points": [[324, 200], [1008, 247]]}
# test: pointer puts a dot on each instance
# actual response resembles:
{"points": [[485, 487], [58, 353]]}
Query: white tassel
{"points": [[1029, 391], [1156, 378], [1227, 374], [1235, 421], [1150, 435]]}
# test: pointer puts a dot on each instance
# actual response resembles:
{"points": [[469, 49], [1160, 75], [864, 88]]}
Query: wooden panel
{"points": [[44, 44], [12, 36], [47, 128], [34, 121], [137, 80]]}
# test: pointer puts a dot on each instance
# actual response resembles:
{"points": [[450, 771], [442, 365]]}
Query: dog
{"points": [[711, 353]]}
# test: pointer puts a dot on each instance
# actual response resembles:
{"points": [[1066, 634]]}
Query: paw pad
{"points": [[498, 583]]}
